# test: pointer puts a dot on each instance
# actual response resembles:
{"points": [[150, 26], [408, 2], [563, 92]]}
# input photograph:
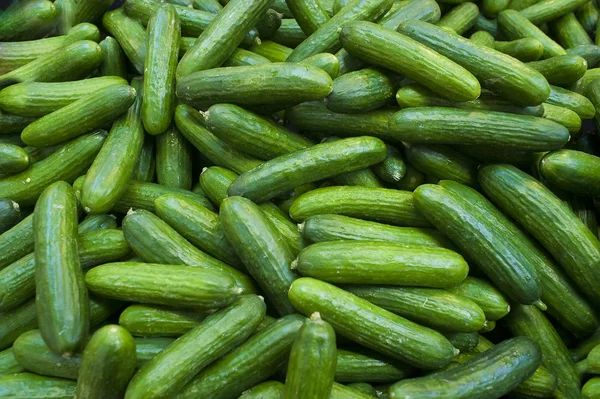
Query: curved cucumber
{"points": [[573, 171], [151, 321], [573, 101], [569, 31], [26, 20], [289, 34], [393, 167], [546, 11], [287, 229], [525, 49]]}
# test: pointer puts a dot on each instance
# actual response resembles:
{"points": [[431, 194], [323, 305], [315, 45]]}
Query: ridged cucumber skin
{"points": [[16, 242], [145, 167], [109, 175], [265, 390], [309, 14], [147, 348], [222, 36], [443, 162], [158, 321], [255, 85], [86, 114], [460, 18], [199, 225], [360, 91], [438, 125], [214, 337], [382, 205], [97, 222], [376, 262], [326, 39], [485, 295], [253, 361], [113, 63], [530, 321], [562, 70], [571, 100], [482, 234], [289, 33], [10, 214], [260, 247], [546, 11], [191, 125], [569, 31], [74, 61], [564, 117], [513, 25], [549, 220], [61, 295], [287, 229], [492, 373], [51, 388], [365, 40], [8, 363], [251, 133], [155, 241], [318, 162], [174, 159], [353, 318], [589, 52], [393, 167], [573, 171], [435, 308], [13, 124], [130, 34], [312, 358], [591, 389], [42, 98], [525, 50], [27, 20], [367, 366], [215, 181]]}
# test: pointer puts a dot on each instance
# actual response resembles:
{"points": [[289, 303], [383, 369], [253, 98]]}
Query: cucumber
{"points": [[274, 52], [174, 160], [61, 295], [393, 168], [488, 375], [13, 159], [563, 116], [16, 322], [526, 49], [327, 62], [49, 388], [339, 391], [86, 114], [147, 348], [411, 180], [241, 57], [88, 10], [443, 162], [590, 53], [289, 34], [258, 244], [16, 242], [573, 171], [108, 178], [483, 38], [587, 15], [253, 361], [66, 12], [591, 364], [158, 321], [298, 191], [26, 20], [13, 124], [591, 389], [36, 154], [376, 204], [434, 308], [200, 288], [584, 209], [573, 101], [368, 366], [569, 31], [287, 229], [497, 72], [375, 262], [485, 295], [97, 222], [269, 23], [108, 364], [145, 166], [371, 326], [464, 342], [309, 14], [215, 181], [318, 162], [460, 18], [8, 363], [491, 8], [365, 39], [174, 367], [222, 36], [212, 6], [130, 34], [438, 125], [255, 85], [252, 134], [549, 10], [562, 70], [363, 387], [113, 63], [487, 25], [266, 390], [162, 53], [360, 91]]}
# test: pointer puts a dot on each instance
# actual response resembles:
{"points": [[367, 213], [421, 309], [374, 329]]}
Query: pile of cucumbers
{"points": [[300, 199]]}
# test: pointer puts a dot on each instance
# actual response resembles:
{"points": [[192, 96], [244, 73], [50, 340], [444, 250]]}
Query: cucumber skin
{"points": [[365, 366], [157, 321], [360, 91], [114, 61], [309, 14], [215, 181], [289, 34], [265, 390], [351, 317], [174, 159], [562, 70], [10, 214], [573, 171], [443, 162], [145, 167], [573, 101], [8, 363], [130, 34], [485, 295], [61, 295], [539, 14], [563, 116], [97, 222], [16, 384], [460, 18], [340, 391], [591, 388]]}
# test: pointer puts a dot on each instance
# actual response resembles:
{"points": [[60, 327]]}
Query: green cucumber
{"points": [[584, 209], [487, 25], [365, 39], [411, 180], [589, 52], [66, 12], [26, 20], [340, 391], [269, 23], [158, 321], [253, 361], [212, 6], [485, 295], [376, 262], [8, 363], [318, 162], [443, 162], [255, 85], [564, 117], [159, 69], [108, 364], [215, 181], [460, 18], [61, 296], [258, 244], [287, 229], [97, 222], [266, 390], [13, 159], [483, 38], [13, 124], [526, 49], [464, 342], [562, 70], [363, 387], [434, 308], [16, 322], [360, 91], [591, 364], [549, 10], [368, 366], [298, 191], [173, 160], [174, 367], [50, 388], [491, 8], [289, 34], [130, 34], [113, 63], [371, 326], [591, 389], [147, 348], [573, 171], [274, 52], [108, 177], [438, 125], [38, 153], [309, 14], [88, 10], [325, 61], [393, 168], [573, 101], [16, 242], [361, 177], [145, 166], [241, 57], [587, 15], [569, 32]]}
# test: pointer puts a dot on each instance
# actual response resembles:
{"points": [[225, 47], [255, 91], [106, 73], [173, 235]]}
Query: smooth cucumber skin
{"points": [[393, 167], [569, 31], [375, 262], [16, 242], [382, 205], [318, 162], [158, 321], [61, 295], [340, 391], [460, 18], [266, 390], [525, 49], [16, 322], [174, 367], [589, 52], [147, 348], [287, 229], [97, 222], [360, 91], [114, 59], [591, 389], [488, 375], [260, 247], [443, 162], [130, 34], [365, 40], [465, 342], [368, 366], [272, 51], [145, 167], [8, 363], [563, 116], [485, 295], [309, 14], [289, 33], [51, 388], [354, 318], [573, 101], [215, 181], [546, 11], [562, 70], [363, 387], [438, 125], [108, 177], [253, 361], [573, 171], [10, 214], [241, 57], [174, 159]]}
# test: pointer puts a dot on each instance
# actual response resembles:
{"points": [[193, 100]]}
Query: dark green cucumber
{"points": [[199, 225], [587, 15], [252, 134], [215, 181], [564, 117], [130, 34], [51, 388], [438, 125], [547, 10], [287, 229], [309, 14], [460, 18], [371, 326], [145, 167], [16, 242], [38, 153], [488, 375], [438, 73], [485, 295], [173, 160], [562, 70], [443, 162], [113, 63], [434, 308], [174, 367], [108, 178], [368, 366], [526, 49], [573, 101], [191, 125], [298, 191], [258, 244], [266, 390], [464, 342], [87, 10], [8, 363], [376, 262], [289, 33], [255, 85], [491, 8], [16, 322], [318, 162], [569, 31], [26, 20], [573, 171], [10, 214], [590, 53], [393, 168], [591, 389], [97, 222], [269, 23], [274, 52], [158, 321], [253, 361], [13, 124], [583, 208], [159, 69], [360, 91], [61, 295]]}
